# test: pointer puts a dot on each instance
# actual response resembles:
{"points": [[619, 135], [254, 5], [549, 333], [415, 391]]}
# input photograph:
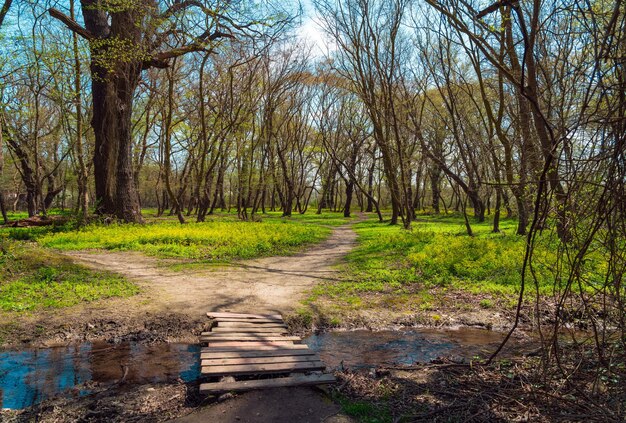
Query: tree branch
{"points": [[71, 23], [5, 10], [495, 6], [160, 60]]}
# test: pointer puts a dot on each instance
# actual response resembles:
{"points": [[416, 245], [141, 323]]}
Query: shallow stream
{"points": [[29, 376]]}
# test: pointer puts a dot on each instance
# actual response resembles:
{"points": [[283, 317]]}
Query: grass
{"points": [[400, 267], [212, 241], [326, 218], [21, 214], [32, 278], [365, 412], [221, 238]]}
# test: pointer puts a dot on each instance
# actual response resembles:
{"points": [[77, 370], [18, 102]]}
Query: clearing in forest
{"points": [[266, 284]]}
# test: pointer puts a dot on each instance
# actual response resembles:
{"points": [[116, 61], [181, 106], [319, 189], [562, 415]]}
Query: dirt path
{"points": [[262, 285], [273, 284]]}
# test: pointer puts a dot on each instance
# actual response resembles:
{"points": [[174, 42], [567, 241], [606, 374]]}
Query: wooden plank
{"points": [[246, 369], [220, 337], [255, 335], [258, 360], [245, 333], [221, 324], [244, 320], [250, 345], [217, 314], [251, 330], [207, 354], [248, 385]]}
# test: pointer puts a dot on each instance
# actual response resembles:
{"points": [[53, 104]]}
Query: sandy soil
{"points": [[273, 284]]}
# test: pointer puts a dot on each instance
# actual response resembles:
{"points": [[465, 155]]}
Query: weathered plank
{"points": [[257, 335], [208, 354], [248, 385], [220, 337], [252, 321], [251, 344], [246, 369], [249, 330], [246, 324], [258, 360], [216, 314]]}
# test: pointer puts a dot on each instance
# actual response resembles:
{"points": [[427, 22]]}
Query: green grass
{"points": [[215, 240], [326, 218], [365, 412], [21, 214], [32, 278], [437, 253]]}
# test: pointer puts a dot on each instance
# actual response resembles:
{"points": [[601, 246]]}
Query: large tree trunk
{"points": [[127, 205], [104, 126], [113, 85]]}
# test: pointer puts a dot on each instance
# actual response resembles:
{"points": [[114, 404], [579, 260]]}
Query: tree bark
{"points": [[2, 204]]}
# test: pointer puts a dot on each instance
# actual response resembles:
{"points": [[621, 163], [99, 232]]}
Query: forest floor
{"points": [[171, 306], [272, 284], [175, 294]]}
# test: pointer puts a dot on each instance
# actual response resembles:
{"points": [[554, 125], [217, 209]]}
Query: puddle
{"points": [[363, 348], [30, 376]]}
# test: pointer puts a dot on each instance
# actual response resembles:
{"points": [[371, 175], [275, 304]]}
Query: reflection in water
{"points": [[30, 376], [363, 348]]}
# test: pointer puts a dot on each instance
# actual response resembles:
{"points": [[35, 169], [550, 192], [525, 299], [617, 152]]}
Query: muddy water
{"points": [[363, 348], [30, 376]]}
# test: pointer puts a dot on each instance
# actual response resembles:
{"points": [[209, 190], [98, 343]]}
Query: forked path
{"points": [[266, 284]]}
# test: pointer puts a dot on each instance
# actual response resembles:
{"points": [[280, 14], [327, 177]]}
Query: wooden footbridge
{"points": [[254, 351]]}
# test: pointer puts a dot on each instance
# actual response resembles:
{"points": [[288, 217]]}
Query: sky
{"points": [[311, 32]]}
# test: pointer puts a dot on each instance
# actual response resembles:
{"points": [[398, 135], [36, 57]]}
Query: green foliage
{"points": [[212, 241], [32, 278], [108, 53]]}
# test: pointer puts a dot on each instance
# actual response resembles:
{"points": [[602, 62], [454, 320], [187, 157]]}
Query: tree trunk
{"points": [[348, 203], [496, 216], [2, 204], [82, 175], [127, 205], [435, 187], [370, 184], [113, 86]]}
